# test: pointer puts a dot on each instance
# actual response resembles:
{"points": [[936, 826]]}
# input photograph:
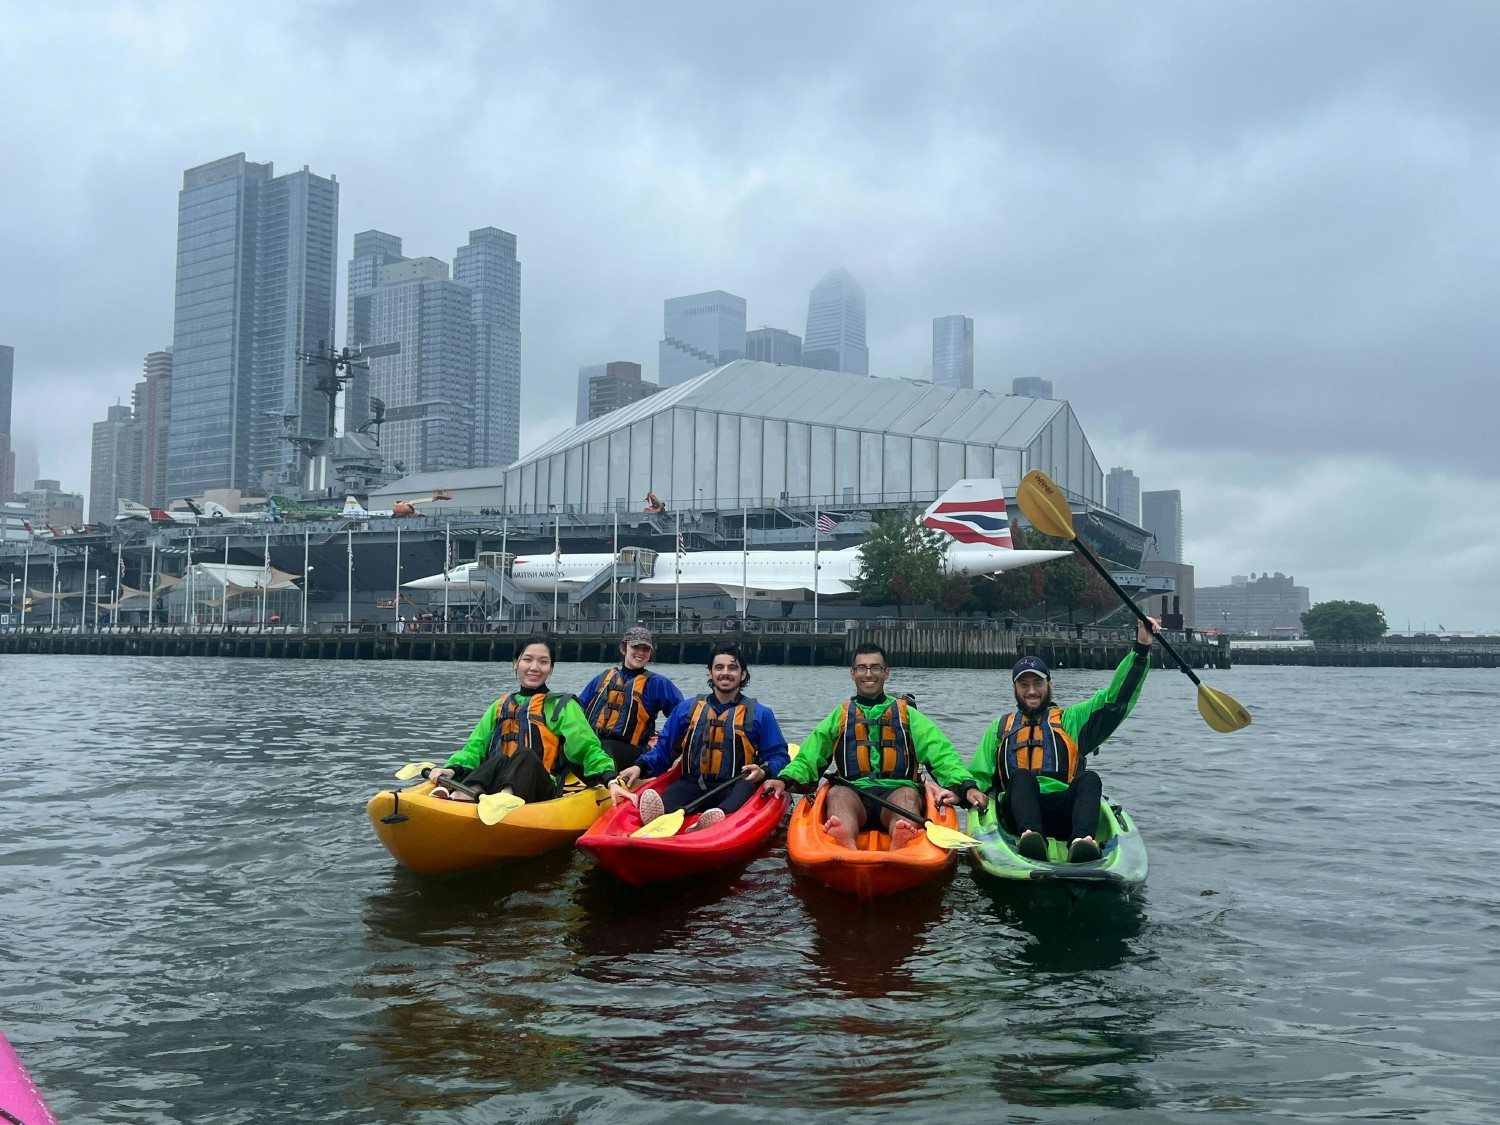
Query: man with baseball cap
{"points": [[1031, 759], [622, 703]]}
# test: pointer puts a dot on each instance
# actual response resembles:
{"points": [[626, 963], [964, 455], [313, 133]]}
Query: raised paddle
{"points": [[493, 807], [939, 834], [668, 823], [1047, 508]]}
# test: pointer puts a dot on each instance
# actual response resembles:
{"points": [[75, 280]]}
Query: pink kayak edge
{"points": [[19, 1097]]}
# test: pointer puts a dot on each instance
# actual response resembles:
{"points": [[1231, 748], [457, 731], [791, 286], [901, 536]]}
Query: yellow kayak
{"points": [[434, 837]]}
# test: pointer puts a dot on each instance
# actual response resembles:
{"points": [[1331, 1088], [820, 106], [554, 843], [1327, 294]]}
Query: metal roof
{"points": [[833, 398]]}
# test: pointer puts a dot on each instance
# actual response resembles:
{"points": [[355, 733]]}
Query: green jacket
{"points": [[1088, 723], [929, 744], [580, 745]]}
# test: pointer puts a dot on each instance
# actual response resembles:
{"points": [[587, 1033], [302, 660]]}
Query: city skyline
{"points": [[1214, 270]]}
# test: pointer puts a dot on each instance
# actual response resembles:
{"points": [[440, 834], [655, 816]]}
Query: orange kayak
{"points": [[871, 870], [434, 837]]}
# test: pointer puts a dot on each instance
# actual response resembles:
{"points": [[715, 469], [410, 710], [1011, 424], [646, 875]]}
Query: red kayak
{"points": [[642, 860], [20, 1100]]}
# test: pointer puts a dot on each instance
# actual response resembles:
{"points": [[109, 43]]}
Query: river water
{"points": [[200, 926]]}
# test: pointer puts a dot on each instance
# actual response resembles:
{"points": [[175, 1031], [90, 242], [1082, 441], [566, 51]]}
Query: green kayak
{"points": [[1123, 858]]}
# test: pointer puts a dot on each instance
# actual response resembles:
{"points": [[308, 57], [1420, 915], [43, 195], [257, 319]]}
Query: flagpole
{"points": [[816, 567], [504, 567], [84, 605], [398, 575], [306, 580], [265, 585], [556, 564], [447, 567], [54, 586], [349, 580], [614, 584], [26, 584], [677, 584], [151, 606], [224, 602], [114, 615], [188, 616], [745, 568]]}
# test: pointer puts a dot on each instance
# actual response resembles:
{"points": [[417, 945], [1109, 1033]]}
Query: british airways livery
{"points": [[972, 511]]}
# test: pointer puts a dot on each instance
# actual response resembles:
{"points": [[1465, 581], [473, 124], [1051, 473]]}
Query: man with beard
{"points": [[1032, 758]]}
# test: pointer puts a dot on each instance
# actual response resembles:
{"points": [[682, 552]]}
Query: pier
{"points": [[1395, 653]]}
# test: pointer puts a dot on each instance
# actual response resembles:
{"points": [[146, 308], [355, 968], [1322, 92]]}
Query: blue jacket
{"points": [[660, 698], [769, 742]]}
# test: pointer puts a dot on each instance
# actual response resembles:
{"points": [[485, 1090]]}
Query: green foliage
{"points": [[901, 562], [1330, 622]]}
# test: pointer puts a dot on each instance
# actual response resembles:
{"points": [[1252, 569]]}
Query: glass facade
{"points": [[699, 332], [372, 249], [755, 433], [489, 267], [1161, 515], [255, 283], [953, 351], [835, 336]]}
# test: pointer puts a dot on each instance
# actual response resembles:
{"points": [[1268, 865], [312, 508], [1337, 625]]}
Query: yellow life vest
{"points": [[877, 748], [520, 721], [719, 743], [618, 711]]}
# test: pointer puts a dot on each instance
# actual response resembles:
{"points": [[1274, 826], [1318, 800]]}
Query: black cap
{"points": [[1034, 664]]}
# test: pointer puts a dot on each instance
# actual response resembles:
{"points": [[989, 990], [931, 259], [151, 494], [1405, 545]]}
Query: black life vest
{"points": [[719, 743], [520, 721], [878, 748], [618, 710], [1039, 746]]}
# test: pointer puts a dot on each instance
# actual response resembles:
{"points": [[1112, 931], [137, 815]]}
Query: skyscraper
{"points": [[152, 403], [835, 336], [591, 371], [620, 385], [372, 249], [1122, 494], [699, 332], [953, 351], [489, 267], [114, 471], [774, 345], [1030, 386], [255, 285], [1161, 515], [428, 385]]}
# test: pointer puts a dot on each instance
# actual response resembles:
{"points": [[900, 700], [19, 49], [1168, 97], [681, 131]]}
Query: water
{"points": [[199, 925]]}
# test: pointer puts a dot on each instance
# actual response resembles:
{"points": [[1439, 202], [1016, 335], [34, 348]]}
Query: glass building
{"points": [[489, 267], [835, 336], [372, 249], [1122, 494], [774, 345], [1161, 515], [255, 285], [953, 351], [699, 332], [753, 433], [114, 468]]}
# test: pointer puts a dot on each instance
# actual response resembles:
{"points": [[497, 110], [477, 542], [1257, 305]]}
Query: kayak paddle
{"points": [[939, 834], [1046, 507], [493, 807], [668, 824]]}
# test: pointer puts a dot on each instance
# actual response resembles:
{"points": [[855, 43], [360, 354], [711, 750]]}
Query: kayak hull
{"points": [[437, 837], [1122, 859], [643, 860], [19, 1098], [871, 870]]}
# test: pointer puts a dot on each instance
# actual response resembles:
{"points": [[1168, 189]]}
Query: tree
{"points": [[900, 561], [1333, 622], [1097, 594]]}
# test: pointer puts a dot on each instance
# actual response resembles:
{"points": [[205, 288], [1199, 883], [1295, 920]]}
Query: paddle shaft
{"points": [[897, 809], [1135, 609], [697, 802]]}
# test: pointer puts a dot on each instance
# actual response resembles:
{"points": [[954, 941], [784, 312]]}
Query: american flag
{"points": [[681, 546], [122, 568], [826, 524]]}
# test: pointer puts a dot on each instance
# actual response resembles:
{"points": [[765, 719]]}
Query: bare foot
{"points": [[903, 832], [841, 835]]}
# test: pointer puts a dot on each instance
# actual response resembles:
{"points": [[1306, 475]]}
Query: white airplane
{"points": [[972, 512], [211, 511]]}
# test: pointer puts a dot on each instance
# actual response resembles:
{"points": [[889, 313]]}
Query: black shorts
{"points": [[873, 812]]}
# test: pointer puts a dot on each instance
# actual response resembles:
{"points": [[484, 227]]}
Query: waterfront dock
{"points": [[1392, 653], [909, 645]]}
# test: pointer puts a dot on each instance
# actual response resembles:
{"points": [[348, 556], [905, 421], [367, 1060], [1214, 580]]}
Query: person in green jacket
{"points": [[877, 742], [1032, 758], [527, 741]]}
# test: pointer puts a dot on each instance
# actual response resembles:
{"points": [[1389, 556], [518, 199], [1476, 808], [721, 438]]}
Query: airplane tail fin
{"points": [[352, 507], [972, 511]]}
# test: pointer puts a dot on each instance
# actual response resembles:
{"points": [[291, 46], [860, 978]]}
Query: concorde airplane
{"points": [[972, 512]]}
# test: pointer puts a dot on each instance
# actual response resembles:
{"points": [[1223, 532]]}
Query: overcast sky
{"points": [[1254, 244]]}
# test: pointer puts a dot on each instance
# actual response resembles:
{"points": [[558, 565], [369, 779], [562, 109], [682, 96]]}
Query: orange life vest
{"points": [[618, 711], [878, 748], [719, 743], [1039, 746], [520, 721]]}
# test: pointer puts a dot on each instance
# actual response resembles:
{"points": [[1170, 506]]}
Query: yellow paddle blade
{"points": [[793, 749], [1044, 504], [413, 769], [945, 837], [495, 807], [667, 824], [1221, 711]]}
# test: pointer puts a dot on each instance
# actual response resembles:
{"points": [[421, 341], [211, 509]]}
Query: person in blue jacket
{"points": [[720, 736], [622, 703]]}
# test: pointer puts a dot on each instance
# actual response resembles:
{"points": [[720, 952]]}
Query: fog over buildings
{"points": [[1214, 269]]}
